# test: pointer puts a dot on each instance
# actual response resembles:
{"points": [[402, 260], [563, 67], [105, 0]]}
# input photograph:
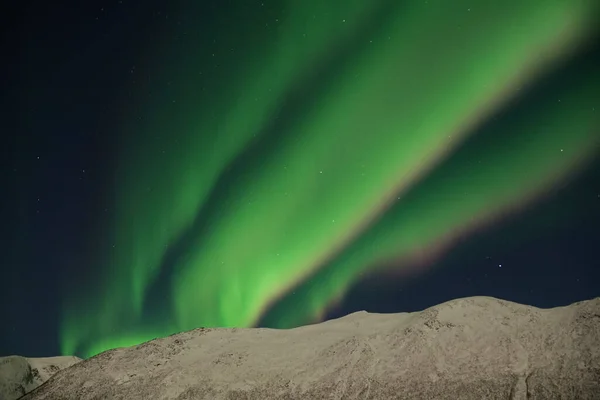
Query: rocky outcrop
{"points": [[471, 348], [19, 375]]}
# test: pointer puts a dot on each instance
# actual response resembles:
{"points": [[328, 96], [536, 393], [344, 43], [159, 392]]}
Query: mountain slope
{"points": [[471, 348]]}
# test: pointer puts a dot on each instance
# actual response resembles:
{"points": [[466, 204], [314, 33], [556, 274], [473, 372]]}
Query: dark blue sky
{"points": [[68, 75]]}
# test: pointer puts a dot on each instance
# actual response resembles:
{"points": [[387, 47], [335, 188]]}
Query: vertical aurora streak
{"points": [[342, 141]]}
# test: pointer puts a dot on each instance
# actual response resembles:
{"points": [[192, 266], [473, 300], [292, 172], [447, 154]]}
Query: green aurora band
{"points": [[339, 139]]}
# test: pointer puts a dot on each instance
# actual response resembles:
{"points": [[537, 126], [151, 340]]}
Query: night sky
{"points": [[239, 163]]}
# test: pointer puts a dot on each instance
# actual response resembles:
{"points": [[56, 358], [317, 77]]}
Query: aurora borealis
{"points": [[325, 156], [315, 143]]}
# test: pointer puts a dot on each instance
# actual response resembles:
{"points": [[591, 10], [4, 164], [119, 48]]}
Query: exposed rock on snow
{"points": [[19, 375]]}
